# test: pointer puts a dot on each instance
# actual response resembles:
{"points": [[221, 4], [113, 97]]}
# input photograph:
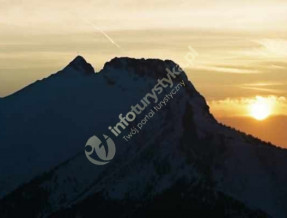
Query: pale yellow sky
{"points": [[134, 14]]}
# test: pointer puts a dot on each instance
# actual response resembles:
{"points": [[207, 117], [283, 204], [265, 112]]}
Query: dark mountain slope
{"points": [[182, 158]]}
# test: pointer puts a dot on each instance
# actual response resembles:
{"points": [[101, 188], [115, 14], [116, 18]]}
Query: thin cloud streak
{"points": [[99, 30], [225, 69]]}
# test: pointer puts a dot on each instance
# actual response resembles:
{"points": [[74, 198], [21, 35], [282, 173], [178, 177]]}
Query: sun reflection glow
{"points": [[260, 109]]}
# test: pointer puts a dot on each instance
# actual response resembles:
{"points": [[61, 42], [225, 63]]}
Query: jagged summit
{"points": [[78, 60], [78, 67], [79, 64], [142, 66]]}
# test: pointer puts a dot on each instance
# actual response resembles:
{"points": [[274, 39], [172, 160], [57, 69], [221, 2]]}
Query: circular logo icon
{"points": [[103, 152]]}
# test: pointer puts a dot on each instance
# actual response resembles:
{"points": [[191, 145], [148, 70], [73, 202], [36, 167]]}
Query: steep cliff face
{"points": [[173, 154]]}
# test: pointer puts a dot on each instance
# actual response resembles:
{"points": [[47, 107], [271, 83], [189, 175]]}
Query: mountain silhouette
{"points": [[182, 163]]}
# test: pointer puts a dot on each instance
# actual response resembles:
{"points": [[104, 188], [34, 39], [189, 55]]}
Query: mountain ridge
{"points": [[80, 65], [182, 143]]}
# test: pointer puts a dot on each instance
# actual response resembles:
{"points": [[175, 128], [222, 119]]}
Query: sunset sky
{"points": [[234, 52]]}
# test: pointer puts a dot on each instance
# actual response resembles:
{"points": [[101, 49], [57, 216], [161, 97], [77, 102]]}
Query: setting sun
{"points": [[260, 109]]}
